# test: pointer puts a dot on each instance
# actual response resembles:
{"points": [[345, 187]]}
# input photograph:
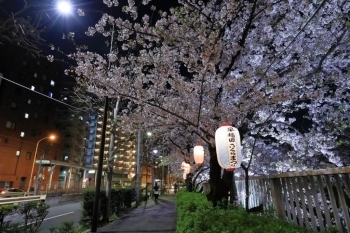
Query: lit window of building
{"points": [[14, 105], [10, 125]]}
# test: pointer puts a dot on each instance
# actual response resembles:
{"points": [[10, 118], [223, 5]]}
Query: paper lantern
{"points": [[187, 168], [228, 147], [183, 165], [198, 154]]}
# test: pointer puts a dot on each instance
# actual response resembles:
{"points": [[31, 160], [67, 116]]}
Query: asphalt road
{"points": [[62, 213]]}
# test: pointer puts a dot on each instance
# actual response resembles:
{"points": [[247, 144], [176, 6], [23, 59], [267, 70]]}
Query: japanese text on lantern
{"points": [[232, 146]]}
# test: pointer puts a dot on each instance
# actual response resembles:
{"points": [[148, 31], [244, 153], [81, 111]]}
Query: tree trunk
{"points": [[219, 187], [188, 182], [246, 179]]}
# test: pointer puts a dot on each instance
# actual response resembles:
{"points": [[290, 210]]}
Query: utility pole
{"points": [[40, 172], [110, 162], [138, 167], [96, 208], [162, 181]]}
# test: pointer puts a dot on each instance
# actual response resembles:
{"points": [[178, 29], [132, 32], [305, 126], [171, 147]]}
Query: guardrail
{"points": [[13, 200]]}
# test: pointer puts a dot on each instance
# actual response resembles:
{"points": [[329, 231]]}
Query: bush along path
{"points": [[33, 214], [196, 214]]}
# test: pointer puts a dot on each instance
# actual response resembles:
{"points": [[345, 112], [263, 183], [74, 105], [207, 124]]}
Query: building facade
{"points": [[32, 107]]}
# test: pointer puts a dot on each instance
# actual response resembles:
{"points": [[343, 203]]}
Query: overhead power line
{"points": [[2, 77]]}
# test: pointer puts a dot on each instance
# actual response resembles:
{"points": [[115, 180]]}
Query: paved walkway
{"points": [[148, 217]]}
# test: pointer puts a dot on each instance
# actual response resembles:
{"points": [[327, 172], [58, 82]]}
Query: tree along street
{"points": [[255, 64]]}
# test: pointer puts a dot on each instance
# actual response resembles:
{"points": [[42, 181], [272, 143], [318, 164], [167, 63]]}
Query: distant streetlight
{"points": [[52, 137], [155, 151], [64, 7]]}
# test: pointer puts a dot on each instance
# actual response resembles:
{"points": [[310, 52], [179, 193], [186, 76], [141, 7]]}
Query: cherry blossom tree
{"points": [[256, 64], [20, 26]]}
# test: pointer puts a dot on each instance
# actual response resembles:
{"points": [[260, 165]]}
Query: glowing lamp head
{"points": [[64, 7]]}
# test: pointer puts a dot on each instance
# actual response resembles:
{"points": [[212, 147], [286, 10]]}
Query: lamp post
{"points": [[36, 151]]}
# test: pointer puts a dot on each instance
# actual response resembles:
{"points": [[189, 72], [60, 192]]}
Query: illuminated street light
{"points": [[52, 137], [64, 7]]}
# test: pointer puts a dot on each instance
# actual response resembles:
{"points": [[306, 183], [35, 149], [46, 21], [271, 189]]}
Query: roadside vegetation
{"points": [[33, 213], [196, 214]]}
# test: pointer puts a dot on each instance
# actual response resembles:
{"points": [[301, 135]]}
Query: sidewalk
{"points": [[148, 217]]}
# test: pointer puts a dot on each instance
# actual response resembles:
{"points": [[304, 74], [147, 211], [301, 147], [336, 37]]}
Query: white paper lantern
{"points": [[183, 165], [228, 147], [198, 154], [187, 168]]}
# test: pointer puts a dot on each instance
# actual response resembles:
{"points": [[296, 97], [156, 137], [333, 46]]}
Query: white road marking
{"points": [[51, 218], [58, 215]]}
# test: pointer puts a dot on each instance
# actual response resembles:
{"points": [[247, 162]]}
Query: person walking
{"points": [[156, 192]]}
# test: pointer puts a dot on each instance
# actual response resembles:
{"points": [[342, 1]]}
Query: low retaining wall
{"points": [[56, 200]]}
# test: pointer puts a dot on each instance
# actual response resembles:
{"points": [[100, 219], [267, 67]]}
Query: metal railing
{"points": [[13, 200]]}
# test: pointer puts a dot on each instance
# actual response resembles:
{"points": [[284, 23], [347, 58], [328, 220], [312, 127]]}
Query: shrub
{"points": [[88, 206], [33, 213], [5, 210], [120, 199], [196, 214], [65, 227]]}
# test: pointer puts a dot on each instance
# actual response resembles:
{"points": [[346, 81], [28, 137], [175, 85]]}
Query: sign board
{"points": [[43, 162]]}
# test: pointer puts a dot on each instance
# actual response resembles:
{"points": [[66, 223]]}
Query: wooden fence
{"points": [[317, 199]]}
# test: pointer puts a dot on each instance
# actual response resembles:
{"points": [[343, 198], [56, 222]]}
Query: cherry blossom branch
{"points": [[201, 96], [297, 35], [176, 145], [165, 110], [196, 8], [241, 42]]}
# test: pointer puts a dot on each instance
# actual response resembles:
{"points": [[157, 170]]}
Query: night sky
{"points": [[56, 24]]}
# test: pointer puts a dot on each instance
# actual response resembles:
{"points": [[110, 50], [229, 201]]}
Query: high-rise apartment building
{"points": [[123, 153], [32, 107]]}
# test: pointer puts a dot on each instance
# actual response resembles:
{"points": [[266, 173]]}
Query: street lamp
{"points": [[36, 151], [64, 7]]}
